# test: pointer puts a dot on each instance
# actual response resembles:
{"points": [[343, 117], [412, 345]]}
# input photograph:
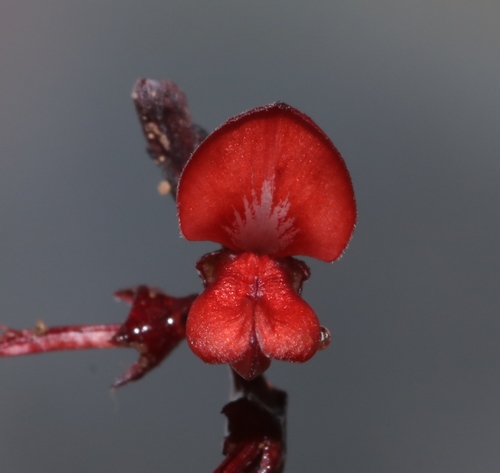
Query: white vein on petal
{"points": [[263, 227]]}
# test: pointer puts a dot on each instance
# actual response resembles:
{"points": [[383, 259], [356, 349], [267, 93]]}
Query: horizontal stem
{"points": [[43, 339]]}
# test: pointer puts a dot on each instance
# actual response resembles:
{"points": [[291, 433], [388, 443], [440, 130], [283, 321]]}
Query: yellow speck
{"points": [[164, 188], [40, 328]]}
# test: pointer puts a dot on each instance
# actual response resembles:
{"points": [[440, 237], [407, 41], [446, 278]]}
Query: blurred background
{"points": [[410, 94]]}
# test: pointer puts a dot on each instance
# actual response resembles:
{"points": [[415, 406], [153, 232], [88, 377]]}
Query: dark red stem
{"points": [[166, 123], [256, 440], [155, 326]]}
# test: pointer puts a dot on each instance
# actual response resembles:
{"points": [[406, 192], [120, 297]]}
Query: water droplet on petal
{"points": [[325, 338]]}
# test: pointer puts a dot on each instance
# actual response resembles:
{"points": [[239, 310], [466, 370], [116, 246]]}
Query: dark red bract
{"points": [[267, 185]]}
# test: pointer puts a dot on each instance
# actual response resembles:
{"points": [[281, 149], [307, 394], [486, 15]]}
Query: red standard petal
{"points": [[269, 181], [251, 312]]}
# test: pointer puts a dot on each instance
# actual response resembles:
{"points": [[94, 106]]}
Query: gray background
{"points": [[409, 92]]}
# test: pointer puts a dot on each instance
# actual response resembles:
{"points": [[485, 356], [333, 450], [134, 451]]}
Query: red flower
{"points": [[268, 184]]}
